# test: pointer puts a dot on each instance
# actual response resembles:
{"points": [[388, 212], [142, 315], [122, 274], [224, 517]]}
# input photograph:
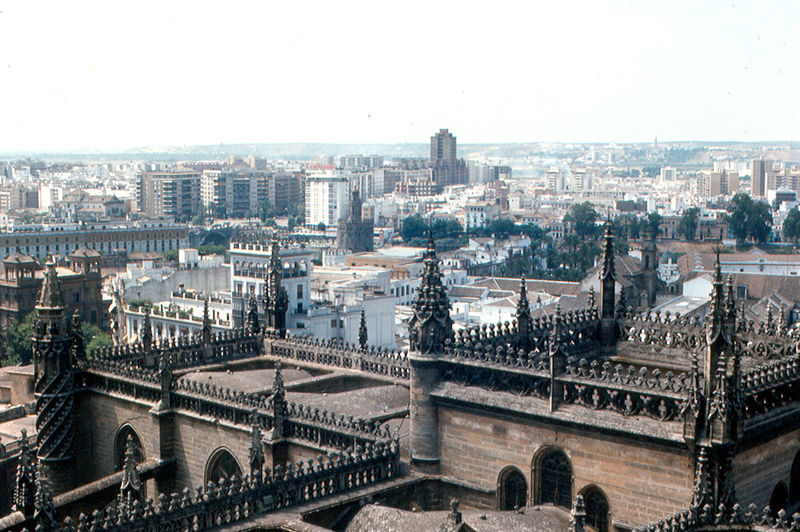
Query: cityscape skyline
{"points": [[98, 77]]}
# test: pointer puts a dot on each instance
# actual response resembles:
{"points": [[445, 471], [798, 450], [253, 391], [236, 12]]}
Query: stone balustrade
{"points": [[230, 501], [737, 518], [379, 361]]}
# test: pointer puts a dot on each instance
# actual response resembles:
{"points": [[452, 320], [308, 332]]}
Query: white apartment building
{"points": [[327, 199], [479, 213]]}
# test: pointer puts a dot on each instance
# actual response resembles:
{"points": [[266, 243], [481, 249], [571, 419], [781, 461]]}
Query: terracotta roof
{"points": [[84, 252], [19, 258], [760, 286], [509, 284], [461, 291], [625, 266]]}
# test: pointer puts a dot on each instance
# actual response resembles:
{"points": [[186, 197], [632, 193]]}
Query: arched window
{"points": [[794, 483], [120, 444], [553, 474], [779, 499], [596, 508], [512, 489], [222, 464]]}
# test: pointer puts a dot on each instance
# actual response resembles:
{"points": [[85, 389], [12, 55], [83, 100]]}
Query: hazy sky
{"points": [[78, 75]]}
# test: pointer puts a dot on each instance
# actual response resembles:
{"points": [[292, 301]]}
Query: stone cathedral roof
{"points": [[537, 519]]}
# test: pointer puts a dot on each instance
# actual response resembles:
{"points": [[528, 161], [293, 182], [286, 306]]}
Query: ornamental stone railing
{"points": [[577, 328], [375, 360], [228, 502], [625, 389], [316, 426], [737, 518], [499, 333], [501, 355], [11, 449], [663, 330], [771, 386], [628, 390], [186, 352], [765, 340]]}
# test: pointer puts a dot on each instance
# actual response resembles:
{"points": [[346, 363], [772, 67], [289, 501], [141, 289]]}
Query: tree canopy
{"points": [[688, 223], [749, 220], [654, 223], [16, 344], [583, 219], [791, 226], [448, 233]]}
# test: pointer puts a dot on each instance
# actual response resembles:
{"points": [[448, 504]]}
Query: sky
{"points": [[118, 75]]}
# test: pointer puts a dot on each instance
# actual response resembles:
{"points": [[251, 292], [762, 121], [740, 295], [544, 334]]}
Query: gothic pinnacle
{"points": [[51, 296]]}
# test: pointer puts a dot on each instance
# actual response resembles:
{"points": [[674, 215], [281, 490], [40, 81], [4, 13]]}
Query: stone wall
{"points": [[643, 482], [196, 439], [758, 469], [101, 416]]}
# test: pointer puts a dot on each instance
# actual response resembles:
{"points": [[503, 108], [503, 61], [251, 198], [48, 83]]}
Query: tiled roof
{"points": [[510, 284]]}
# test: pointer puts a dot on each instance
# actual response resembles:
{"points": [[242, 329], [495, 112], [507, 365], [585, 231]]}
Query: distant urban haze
{"points": [[97, 75]]}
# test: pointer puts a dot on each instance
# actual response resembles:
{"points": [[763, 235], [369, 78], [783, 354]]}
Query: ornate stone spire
{"points": [[147, 331], [78, 349], [717, 339], [523, 339], [256, 454], [51, 296], [717, 417], [362, 331], [44, 516], [608, 276], [591, 301], [53, 383], [278, 390], [25, 485], [578, 515], [557, 358], [252, 315], [430, 325], [206, 332], [608, 253], [278, 401], [130, 488], [276, 301]]}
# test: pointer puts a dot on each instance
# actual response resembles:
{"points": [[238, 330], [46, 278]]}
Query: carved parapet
{"points": [[670, 331], [736, 517], [375, 360], [626, 389], [770, 386], [231, 500]]}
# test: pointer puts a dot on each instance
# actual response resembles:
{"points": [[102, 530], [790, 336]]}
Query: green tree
{"points": [[94, 338], [321, 226], [171, 255], [413, 227], [15, 341], [199, 218], [791, 226], [212, 249], [266, 210], [583, 219], [501, 228], [654, 223], [749, 219], [688, 224]]}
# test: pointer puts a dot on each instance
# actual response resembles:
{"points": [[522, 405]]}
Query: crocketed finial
{"points": [[130, 488], [362, 331]]}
